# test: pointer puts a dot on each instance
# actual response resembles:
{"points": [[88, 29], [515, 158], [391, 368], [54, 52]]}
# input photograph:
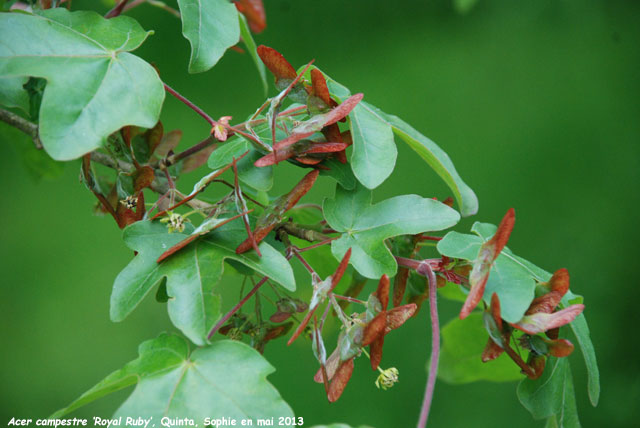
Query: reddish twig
{"points": [[117, 9], [191, 105], [235, 309], [425, 269]]}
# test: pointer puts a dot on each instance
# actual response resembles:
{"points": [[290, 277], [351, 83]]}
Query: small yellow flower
{"points": [[387, 378], [175, 222]]}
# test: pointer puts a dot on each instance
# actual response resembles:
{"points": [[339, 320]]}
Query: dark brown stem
{"points": [[236, 307], [29, 128]]}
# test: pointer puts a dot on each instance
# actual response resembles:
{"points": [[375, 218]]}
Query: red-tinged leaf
{"points": [[317, 122], [277, 331], [489, 252], [541, 322], [275, 62], [340, 270], [125, 216], [475, 295], [400, 285], [553, 334], [309, 161], [302, 325], [560, 347], [198, 159], [140, 208], [335, 279], [382, 293], [153, 136], [169, 141], [299, 149], [127, 133], [495, 310], [272, 216], [319, 87], [501, 236], [331, 366], [340, 380], [491, 351], [399, 315], [280, 317], [143, 178], [545, 303], [327, 147], [559, 282], [374, 329], [375, 352], [253, 10], [537, 363]]}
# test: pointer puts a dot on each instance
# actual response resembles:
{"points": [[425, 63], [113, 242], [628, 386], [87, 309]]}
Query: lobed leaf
{"points": [[374, 151], [552, 395], [365, 227], [227, 377], [212, 27], [94, 85], [463, 343], [13, 94], [192, 274]]}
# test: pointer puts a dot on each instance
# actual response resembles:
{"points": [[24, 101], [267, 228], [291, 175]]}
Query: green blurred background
{"points": [[536, 102]]}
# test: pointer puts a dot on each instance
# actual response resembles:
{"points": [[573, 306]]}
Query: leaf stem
{"points": [[235, 309], [425, 269], [191, 105]]}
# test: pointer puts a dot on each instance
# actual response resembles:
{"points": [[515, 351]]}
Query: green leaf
{"points": [[258, 178], [155, 356], [12, 93], [439, 161], [211, 26], [339, 172], [226, 378], [552, 395], [508, 278], [94, 85], [224, 154], [366, 226], [461, 360], [374, 152], [579, 327], [250, 44], [192, 273], [515, 270]]}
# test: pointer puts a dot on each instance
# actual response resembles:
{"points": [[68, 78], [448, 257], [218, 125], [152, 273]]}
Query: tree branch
{"points": [[29, 128]]}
